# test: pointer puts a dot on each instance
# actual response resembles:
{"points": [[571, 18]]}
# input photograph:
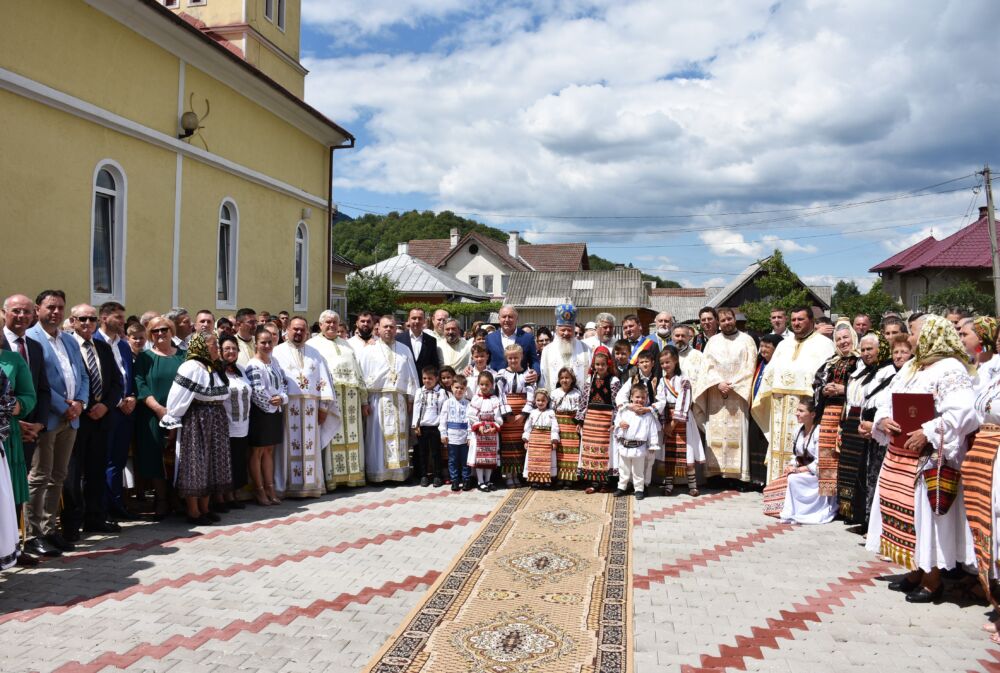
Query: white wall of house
{"points": [[912, 288], [483, 270]]}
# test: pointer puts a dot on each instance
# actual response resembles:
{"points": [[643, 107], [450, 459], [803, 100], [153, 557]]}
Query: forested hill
{"points": [[372, 238]]}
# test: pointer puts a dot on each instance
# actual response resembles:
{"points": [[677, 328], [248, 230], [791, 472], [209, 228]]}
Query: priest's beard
{"points": [[564, 347], [365, 334]]}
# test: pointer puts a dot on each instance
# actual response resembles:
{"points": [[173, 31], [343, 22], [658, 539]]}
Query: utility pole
{"points": [[991, 221]]}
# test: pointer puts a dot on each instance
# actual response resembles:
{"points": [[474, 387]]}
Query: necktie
{"points": [[21, 349], [96, 389]]}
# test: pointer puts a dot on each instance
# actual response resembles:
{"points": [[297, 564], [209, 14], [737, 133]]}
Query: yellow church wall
{"points": [[288, 39], [213, 12], [49, 160], [74, 48], [274, 66]]}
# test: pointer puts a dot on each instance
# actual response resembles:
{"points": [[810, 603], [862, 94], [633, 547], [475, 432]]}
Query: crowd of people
{"points": [[106, 418]]}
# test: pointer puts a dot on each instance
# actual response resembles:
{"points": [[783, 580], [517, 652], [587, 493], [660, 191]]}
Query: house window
{"points": [[107, 256], [281, 14], [269, 10], [338, 303], [196, 3], [917, 301], [474, 281], [504, 281], [488, 284], [171, 4], [225, 277], [300, 280]]}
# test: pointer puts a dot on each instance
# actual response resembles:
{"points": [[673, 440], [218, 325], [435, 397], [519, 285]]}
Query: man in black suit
{"points": [[83, 491], [421, 344], [18, 314]]}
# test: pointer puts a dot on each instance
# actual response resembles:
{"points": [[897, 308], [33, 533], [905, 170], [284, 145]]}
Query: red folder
{"points": [[910, 411]]}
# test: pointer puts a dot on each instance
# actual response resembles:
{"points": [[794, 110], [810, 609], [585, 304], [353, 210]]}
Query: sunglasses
{"points": [[85, 318], [160, 330]]}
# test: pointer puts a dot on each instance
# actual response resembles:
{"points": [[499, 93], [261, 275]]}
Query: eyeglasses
{"points": [[85, 318], [159, 330]]}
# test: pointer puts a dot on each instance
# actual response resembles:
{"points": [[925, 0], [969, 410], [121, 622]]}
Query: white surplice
{"points": [[344, 455], [391, 380], [578, 361]]}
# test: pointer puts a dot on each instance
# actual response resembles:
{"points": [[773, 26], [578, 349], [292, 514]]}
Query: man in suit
{"points": [[508, 334], [421, 344], [121, 421], [70, 391], [18, 314], [83, 491]]}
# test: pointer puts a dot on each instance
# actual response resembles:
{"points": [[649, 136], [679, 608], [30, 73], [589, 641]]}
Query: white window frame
{"points": [[269, 10], [303, 303], [234, 246], [118, 242], [504, 283], [280, 22]]}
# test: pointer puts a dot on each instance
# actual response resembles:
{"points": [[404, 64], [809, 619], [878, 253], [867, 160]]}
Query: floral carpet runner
{"points": [[545, 585]]}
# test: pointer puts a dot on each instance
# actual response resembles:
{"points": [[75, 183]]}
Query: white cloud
{"points": [[731, 244]]}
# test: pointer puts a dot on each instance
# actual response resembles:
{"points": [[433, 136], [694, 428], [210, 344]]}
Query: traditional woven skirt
{"points": [[852, 474], [774, 496], [487, 447], [595, 451], [568, 454], [896, 489], [203, 463], [511, 444], [539, 459], [977, 484], [875, 457], [675, 453], [829, 442]]}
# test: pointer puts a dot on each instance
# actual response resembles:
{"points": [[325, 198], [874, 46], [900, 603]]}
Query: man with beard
{"points": [[664, 329], [565, 350], [638, 342], [604, 332], [723, 392], [787, 380], [454, 350], [312, 415], [392, 382], [508, 335], [344, 456], [709, 319], [364, 328]]}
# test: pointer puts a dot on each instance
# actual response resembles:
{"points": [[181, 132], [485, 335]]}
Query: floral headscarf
{"points": [[938, 340], [884, 349], [986, 329], [844, 324], [198, 350]]}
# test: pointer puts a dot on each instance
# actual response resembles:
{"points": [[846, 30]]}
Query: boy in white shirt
{"points": [[453, 425], [426, 411], [637, 437]]}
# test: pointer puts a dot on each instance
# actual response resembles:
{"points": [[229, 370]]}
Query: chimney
{"points": [[403, 248], [454, 238], [983, 211], [512, 244]]}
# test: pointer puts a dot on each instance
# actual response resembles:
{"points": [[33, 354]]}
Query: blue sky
{"points": [[688, 138]]}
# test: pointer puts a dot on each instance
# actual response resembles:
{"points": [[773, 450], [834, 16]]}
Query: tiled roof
{"points": [[431, 250], [556, 256], [415, 276], [537, 257], [340, 260], [621, 288], [904, 257], [967, 248]]}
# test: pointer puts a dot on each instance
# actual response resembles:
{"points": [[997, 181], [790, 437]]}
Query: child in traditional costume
{"points": [[541, 432], [453, 426], [517, 394], [637, 437], [567, 403], [427, 407], [485, 416], [596, 457], [682, 447]]}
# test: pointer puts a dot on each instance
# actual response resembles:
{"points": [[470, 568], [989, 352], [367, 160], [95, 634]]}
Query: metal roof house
{"points": [[418, 281], [619, 292]]}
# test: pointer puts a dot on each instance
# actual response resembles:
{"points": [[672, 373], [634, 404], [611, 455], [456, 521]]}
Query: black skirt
{"points": [[266, 429], [239, 447]]}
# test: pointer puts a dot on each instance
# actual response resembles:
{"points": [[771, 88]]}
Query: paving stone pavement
{"points": [[320, 585]]}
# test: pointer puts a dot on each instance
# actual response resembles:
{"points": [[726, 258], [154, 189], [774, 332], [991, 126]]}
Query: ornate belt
{"points": [[632, 443]]}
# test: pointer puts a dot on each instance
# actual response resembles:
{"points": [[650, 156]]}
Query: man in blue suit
{"points": [[121, 422], [69, 387], [508, 334]]}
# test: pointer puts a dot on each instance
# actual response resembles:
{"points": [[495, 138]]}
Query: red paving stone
{"points": [[687, 505]]}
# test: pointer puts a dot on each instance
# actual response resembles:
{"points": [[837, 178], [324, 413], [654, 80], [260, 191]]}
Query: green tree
{"points": [[873, 303], [842, 291], [778, 287], [372, 292], [965, 295]]}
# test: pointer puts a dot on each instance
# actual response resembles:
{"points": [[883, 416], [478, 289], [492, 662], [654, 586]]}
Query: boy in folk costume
{"points": [[427, 407], [453, 425], [541, 432], [485, 416], [682, 447], [446, 376], [596, 457], [644, 376], [637, 439], [518, 395]]}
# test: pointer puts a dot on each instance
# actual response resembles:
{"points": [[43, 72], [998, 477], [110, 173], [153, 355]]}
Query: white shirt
{"points": [[427, 406], [113, 342], [12, 340], [416, 343], [83, 354], [64, 364], [787, 334], [508, 340]]}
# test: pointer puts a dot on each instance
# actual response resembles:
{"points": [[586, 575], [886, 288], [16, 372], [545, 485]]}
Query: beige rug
{"points": [[545, 585]]}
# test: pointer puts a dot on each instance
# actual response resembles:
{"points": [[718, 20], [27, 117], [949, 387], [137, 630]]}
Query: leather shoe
{"points": [[60, 542], [101, 527], [42, 547], [71, 534], [904, 585], [26, 560], [639, 495], [119, 514], [922, 595], [620, 492]]}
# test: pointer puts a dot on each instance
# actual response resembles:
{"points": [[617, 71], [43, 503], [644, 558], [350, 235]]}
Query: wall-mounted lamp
{"points": [[190, 122]]}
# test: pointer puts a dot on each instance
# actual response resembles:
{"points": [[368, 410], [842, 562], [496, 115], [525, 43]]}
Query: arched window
{"points": [[107, 236], [225, 277], [300, 279]]}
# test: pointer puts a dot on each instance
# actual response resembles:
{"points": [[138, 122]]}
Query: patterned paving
{"points": [[323, 585]]}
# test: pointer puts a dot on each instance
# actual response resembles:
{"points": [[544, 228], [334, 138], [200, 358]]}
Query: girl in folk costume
{"points": [[541, 432], [829, 390], [682, 447], [803, 501], [485, 415], [927, 538], [567, 403], [517, 394], [599, 393]]}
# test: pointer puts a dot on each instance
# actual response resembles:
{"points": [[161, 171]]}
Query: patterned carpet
{"points": [[545, 585]]}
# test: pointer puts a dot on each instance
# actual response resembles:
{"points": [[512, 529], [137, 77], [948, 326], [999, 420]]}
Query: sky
{"points": [[687, 138]]}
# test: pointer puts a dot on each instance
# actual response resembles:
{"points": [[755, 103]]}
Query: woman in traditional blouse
{"points": [[837, 464], [803, 501], [195, 406], [154, 374], [238, 410], [269, 393]]}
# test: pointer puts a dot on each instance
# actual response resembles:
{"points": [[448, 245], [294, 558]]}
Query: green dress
{"points": [[16, 369], [153, 376]]}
